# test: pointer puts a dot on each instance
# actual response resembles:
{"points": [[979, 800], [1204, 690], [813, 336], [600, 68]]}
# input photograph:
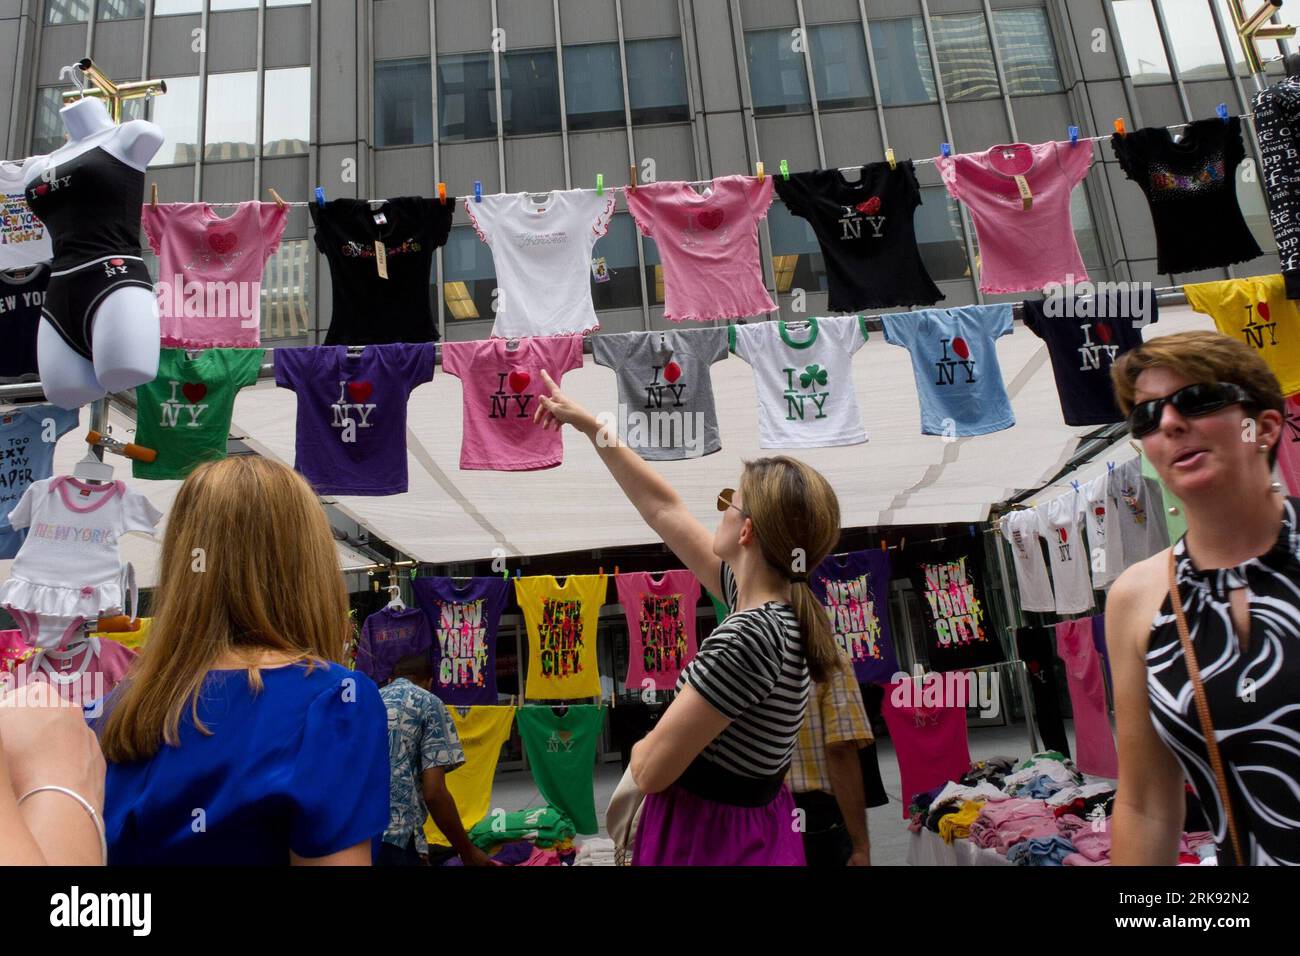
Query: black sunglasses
{"points": [[1192, 401]]}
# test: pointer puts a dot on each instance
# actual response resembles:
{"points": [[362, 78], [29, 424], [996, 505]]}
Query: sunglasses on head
{"points": [[1192, 401]]}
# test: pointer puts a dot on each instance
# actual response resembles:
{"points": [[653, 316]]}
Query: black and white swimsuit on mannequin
{"points": [[1254, 695]]}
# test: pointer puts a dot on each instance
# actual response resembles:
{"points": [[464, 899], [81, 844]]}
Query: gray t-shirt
{"points": [[1135, 521], [665, 391]]}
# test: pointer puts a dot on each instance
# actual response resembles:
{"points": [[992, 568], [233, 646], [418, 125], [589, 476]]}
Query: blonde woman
{"points": [[713, 767], [238, 738]]}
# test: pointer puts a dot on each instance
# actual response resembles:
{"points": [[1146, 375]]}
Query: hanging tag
{"points": [[7, 419], [512, 344], [380, 219], [599, 270], [381, 259], [1026, 197], [1008, 154]]}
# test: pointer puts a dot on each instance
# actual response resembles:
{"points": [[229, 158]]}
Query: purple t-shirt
{"points": [[387, 637], [464, 622], [352, 413], [854, 589]]}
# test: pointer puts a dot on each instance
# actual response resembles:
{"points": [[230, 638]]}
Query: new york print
{"points": [[461, 634], [663, 633], [955, 611], [806, 401], [852, 611], [511, 398], [353, 408], [560, 636], [959, 358], [184, 406], [665, 385]]}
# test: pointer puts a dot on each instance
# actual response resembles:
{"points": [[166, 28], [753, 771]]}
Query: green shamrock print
{"points": [[813, 375]]}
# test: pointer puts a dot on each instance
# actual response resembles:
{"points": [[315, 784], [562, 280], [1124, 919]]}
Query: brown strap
{"points": [[1202, 706]]}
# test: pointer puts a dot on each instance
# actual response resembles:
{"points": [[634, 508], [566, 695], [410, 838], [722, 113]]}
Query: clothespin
{"points": [[600, 184], [1120, 128], [971, 528], [1074, 135], [945, 149], [631, 178], [785, 169], [902, 543], [616, 570], [442, 193], [758, 170], [1110, 466], [153, 195], [478, 191], [883, 546], [505, 575], [276, 196], [601, 572], [517, 572], [320, 196], [1222, 110], [891, 158], [1075, 484]]}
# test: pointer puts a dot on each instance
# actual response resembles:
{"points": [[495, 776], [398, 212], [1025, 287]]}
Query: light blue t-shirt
{"points": [[26, 456], [956, 367]]}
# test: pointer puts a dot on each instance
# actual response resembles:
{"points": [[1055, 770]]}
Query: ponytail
{"points": [[819, 647]]}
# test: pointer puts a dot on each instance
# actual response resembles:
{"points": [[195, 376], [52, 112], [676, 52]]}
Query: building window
{"points": [[468, 277], [467, 104], [1028, 56], [286, 111], [403, 102], [67, 11], [285, 290], [903, 62], [1194, 40], [1266, 48], [167, 8], [121, 9], [1085, 234], [961, 43], [230, 128], [593, 86], [1139, 34], [177, 112], [841, 70], [530, 93], [47, 125], [797, 261], [656, 81], [939, 236], [232, 5], [621, 289], [778, 79]]}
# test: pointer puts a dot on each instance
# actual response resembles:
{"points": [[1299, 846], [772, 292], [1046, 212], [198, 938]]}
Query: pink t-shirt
{"points": [[1093, 741], [708, 244], [660, 625], [501, 390], [1021, 250], [1288, 446], [930, 743], [89, 667], [210, 271]]}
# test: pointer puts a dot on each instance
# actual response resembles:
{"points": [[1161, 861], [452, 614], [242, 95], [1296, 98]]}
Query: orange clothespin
{"points": [[883, 546], [602, 571], [276, 196], [442, 193], [1120, 128], [153, 195], [616, 570]]}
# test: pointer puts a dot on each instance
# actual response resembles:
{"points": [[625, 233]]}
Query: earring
{"points": [[1263, 449], [1277, 487]]}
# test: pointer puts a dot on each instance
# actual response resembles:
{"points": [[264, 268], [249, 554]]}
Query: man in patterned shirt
{"points": [[423, 747]]}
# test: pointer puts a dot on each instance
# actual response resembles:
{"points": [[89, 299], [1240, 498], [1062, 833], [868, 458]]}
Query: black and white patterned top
{"points": [[1254, 696]]}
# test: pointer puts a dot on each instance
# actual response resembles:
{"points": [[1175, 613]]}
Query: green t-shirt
{"points": [[719, 608], [184, 414], [562, 755], [544, 826]]}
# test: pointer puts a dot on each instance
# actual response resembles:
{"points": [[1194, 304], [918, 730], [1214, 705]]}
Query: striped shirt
{"points": [[752, 669]]}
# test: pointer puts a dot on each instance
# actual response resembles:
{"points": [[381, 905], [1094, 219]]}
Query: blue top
{"points": [[301, 766]]}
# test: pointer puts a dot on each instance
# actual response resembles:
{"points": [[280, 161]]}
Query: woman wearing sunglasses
{"points": [[713, 766], [1225, 654]]}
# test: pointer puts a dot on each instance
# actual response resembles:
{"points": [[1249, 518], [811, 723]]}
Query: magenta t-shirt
{"points": [[502, 385], [930, 742], [708, 244], [1288, 446], [660, 625], [1094, 743], [1020, 249]]}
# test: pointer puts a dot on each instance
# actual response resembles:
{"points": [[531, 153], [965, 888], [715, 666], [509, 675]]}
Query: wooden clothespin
{"points": [[631, 178], [616, 570], [442, 193], [758, 170], [891, 158], [1120, 128], [276, 196], [153, 195]]}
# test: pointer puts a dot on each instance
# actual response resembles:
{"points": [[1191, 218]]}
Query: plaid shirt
{"points": [[835, 715]]}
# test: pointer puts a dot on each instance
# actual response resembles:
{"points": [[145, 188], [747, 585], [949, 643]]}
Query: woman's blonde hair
{"points": [[796, 519], [248, 564]]}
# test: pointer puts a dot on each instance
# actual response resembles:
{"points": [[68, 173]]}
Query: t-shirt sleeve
{"points": [[1202, 296], [1075, 159], [560, 354], [717, 340], [794, 193], [1000, 320], [641, 204], [139, 514], [607, 350], [437, 220], [439, 742], [482, 216], [740, 339], [947, 166], [244, 365], [1031, 317], [599, 213], [736, 667], [320, 219], [272, 218], [899, 328], [152, 219], [290, 366], [1129, 154], [417, 365], [455, 356], [858, 333], [21, 514], [758, 195], [340, 779]]}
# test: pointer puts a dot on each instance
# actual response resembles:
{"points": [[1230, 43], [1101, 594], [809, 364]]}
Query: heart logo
{"points": [[42, 189], [519, 380], [359, 391], [116, 262], [565, 735], [869, 207], [1103, 332], [1063, 535], [222, 242], [961, 348], [672, 372], [1263, 311], [1099, 511], [194, 392], [1033, 667], [710, 218]]}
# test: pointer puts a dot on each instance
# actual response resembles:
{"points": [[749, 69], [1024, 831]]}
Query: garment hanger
{"points": [[395, 603], [91, 469]]}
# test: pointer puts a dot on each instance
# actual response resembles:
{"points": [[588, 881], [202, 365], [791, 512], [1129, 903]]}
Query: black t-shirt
{"points": [[958, 631], [1084, 343], [369, 309], [20, 318], [1191, 187], [866, 234]]}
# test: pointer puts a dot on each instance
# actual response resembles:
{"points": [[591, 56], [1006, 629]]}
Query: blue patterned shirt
{"points": [[421, 736]]}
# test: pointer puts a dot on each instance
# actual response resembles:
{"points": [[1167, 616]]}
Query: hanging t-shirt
{"points": [[562, 756], [351, 434], [562, 623], [803, 372], [956, 367], [1092, 514], [854, 589], [720, 609], [1093, 739], [21, 300], [665, 389], [90, 666], [24, 240], [464, 619], [131, 640], [1036, 647], [482, 732], [380, 255], [1288, 447], [957, 631], [1165, 502], [541, 251], [184, 414], [929, 741], [708, 244], [1277, 127], [866, 233], [1134, 531], [1191, 187], [1256, 311], [1021, 248], [1061, 525], [389, 635], [502, 380], [1084, 343], [660, 625], [210, 270], [1020, 529], [27, 439]]}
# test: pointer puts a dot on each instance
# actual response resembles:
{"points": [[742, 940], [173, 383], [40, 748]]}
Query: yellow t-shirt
{"points": [[482, 731], [562, 624], [135, 640], [1256, 311]]}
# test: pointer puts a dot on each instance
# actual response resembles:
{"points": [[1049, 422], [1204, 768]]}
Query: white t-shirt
{"points": [[542, 254], [803, 373], [24, 240], [1020, 528], [1092, 514], [1060, 526]]}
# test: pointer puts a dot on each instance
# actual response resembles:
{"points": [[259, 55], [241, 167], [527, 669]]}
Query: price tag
{"points": [[381, 259], [599, 270], [380, 219], [1026, 197]]}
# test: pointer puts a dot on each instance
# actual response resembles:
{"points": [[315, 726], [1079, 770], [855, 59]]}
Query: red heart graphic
{"points": [[1063, 535], [116, 262], [672, 372], [42, 189], [519, 380], [194, 392], [710, 218], [1099, 511], [961, 348], [1263, 311], [222, 242], [869, 207], [359, 391], [1103, 332], [1033, 667]]}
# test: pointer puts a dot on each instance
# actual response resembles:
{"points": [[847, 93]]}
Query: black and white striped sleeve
{"points": [[737, 666]]}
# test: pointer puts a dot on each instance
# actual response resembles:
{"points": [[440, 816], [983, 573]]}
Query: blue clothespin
{"points": [[320, 196], [516, 572], [946, 149], [1074, 136], [600, 184], [478, 191], [1075, 484], [1110, 466], [1222, 110], [972, 530]]}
